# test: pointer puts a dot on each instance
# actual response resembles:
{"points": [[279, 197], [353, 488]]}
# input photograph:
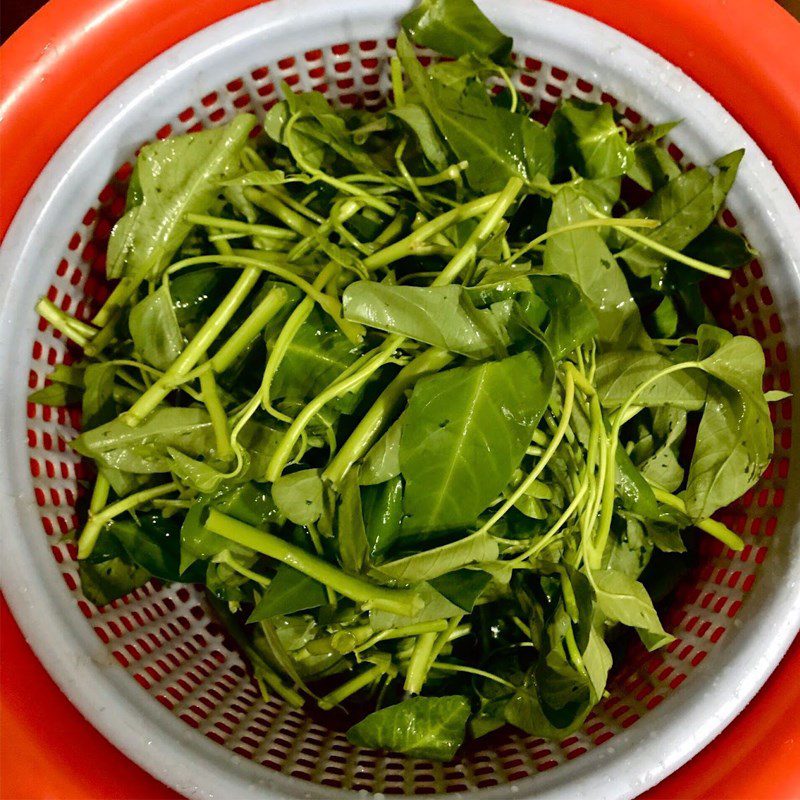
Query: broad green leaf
{"points": [[173, 178], [298, 496], [462, 587], [442, 316], [318, 353], [151, 541], [351, 535], [735, 438], [628, 549], [422, 727], [571, 322], [419, 120], [720, 247], [497, 144], [430, 564], [625, 600], [382, 506], [382, 461], [57, 395], [464, 434], [435, 606], [98, 395], [584, 257], [110, 580], [145, 448], [154, 328], [290, 591], [65, 389], [652, 166], [597, 661], [621, 372], [685, 206], [600, 141], [636, 494], [455, 28]]}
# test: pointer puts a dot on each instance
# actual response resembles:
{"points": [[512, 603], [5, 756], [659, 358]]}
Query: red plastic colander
{"points": [[152, 671]]}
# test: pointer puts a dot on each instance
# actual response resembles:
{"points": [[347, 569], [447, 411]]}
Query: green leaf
{"points": [[110, 580], [145, 449], [435, 606], [600, 141], [621, 372], [419, 121], [652, 166], [318, 353], [173, 178], [628, 549], [584, 257], [98, 395], [154, 328], [571, 322], [636, 494], [442, 316], [430, 564], [382, 506], [152, 542], [290, 591], [462, 587], [685, 206], [382, 461], [66, 388], [497, 144], [298, 496], [625, 600], [351, 535], [57, 395], [735, 438], [597, 661], [720, 247], [464, 434], [455, 28], [422, 727]]}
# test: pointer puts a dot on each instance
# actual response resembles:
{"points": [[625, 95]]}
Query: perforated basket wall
{"points": [[164, 636]]}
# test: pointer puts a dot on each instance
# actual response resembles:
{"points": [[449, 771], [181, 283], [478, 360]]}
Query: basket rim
{"points": [[111, 692]]}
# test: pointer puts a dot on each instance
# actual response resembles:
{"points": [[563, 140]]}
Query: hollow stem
{"points": [[377, 419], [397, 601], [98, 520], [195, 350], [708, 525]]}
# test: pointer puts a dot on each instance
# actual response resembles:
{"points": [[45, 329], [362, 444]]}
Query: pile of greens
{"points": [[428, 398]]}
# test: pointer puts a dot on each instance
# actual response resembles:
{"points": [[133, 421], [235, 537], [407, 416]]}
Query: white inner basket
{"points": [[733, 623]]}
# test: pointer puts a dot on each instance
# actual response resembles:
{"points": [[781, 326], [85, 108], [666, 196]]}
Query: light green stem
{"points": [[607, 501], [397, 601], [80, 332], [355, 684], [371, 363], [405, 246], [675, 255], [710, 526], [375, 421], [485, 228], [569, 397], [195, 350], [271, 204], [445, 667], [434, 626], [420, 663], [249, 329], [245, 228], [98, 520]]}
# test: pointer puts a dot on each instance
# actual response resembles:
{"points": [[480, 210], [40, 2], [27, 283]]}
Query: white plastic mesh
{"points": [[164, 636]]}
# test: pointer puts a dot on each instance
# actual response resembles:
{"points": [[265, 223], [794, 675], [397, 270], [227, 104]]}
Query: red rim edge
{"points": [[744, 52]]}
